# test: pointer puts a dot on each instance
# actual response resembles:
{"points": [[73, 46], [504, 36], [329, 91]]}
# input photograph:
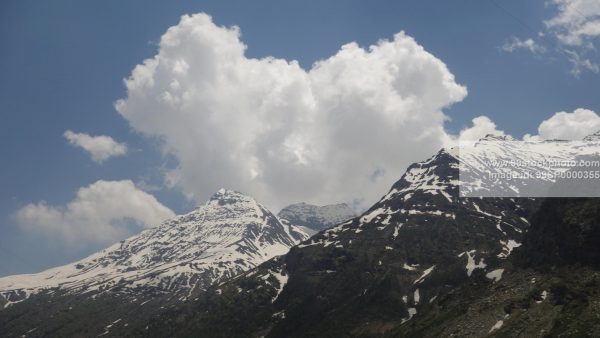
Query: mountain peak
{"points": [[593, 137], [227, 196], [315, 218], [497, 137], [224, 192]]}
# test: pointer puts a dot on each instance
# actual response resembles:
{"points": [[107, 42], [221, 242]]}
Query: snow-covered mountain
{"points": [[231, 233], [312, 218], [499, 166], [593, 137]]}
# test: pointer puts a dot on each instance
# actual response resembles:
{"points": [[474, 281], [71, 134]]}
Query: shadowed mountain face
{"points": [[567, 232], [550, 286]]}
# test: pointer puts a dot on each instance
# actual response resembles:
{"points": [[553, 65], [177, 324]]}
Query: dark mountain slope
{"points": [[568, 233], [538, 295], [550, 287]]}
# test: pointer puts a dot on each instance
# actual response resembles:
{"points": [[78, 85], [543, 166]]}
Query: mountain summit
{"points": [[593, 137], [229, 234], [312, 218]]}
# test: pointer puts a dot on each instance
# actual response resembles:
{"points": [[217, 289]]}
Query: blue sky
{"points": [[63, 64]]}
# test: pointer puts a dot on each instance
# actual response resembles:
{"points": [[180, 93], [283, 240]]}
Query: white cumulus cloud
{"points": [[482, 126], [344, 130], [568, 126], [101, 213], [100, 148]]}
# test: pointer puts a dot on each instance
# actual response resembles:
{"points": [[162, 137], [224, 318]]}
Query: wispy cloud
{"points": [[572, 32], [576, 27], [580, 63], [528, 44], [577, 22]]}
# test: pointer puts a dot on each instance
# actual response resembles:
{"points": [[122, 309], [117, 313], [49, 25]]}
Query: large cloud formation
{"points": [[101, 213], [344, 130]]}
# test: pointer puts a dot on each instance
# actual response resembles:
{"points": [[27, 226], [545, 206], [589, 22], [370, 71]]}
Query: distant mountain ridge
{"points": [[314, 218], [231, 233]]}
